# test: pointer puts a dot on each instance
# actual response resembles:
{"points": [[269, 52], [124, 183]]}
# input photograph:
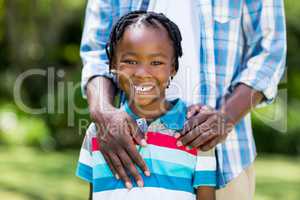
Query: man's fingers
{"points": [[188, 137], [136, 133], [130, 147], [219, 138], [136, 157], [196, 108], [206, 109], [126, 160], [120, 170], [191, 123], [210, 144], [195, 121], [108, 161], [206, 136], [193, 109], [196, 132]]}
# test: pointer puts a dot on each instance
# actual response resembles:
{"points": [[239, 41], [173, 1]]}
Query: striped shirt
{"points": [[224, 43], [175, 171]]}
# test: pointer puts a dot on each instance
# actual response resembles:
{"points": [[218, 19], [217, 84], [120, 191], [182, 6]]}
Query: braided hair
{"points": [[148, 19]]}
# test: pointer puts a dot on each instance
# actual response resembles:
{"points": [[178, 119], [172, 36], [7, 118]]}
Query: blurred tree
{"points": [[41, 34], [35, 29]]}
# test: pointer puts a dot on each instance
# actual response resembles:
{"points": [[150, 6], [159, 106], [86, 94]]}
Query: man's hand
{"points": [[117, 135], [117, 132], [205, 128]]}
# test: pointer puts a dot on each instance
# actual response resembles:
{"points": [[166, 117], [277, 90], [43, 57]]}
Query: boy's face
{"points": [[144, 61]]}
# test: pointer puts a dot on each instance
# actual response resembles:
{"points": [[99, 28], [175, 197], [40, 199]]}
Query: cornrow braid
{"points": [[149, 19]]}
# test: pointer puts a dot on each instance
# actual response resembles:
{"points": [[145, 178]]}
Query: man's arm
{"points": [[265, 31], [263, 25], [97, 26], [265, 52], [240, 103], [206, 128], [100, 96]]}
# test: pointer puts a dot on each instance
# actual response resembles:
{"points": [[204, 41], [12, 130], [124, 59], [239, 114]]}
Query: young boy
{"points": [[143, 53]]}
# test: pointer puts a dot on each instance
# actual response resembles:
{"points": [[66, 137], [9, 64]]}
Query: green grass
{"points": [[27, 173], [30, 174], [277, 177]]}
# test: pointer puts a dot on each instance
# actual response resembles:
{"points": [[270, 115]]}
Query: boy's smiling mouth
{"points": [[143, 89]]}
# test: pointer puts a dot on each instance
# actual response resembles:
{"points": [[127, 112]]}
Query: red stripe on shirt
{"points": [[95, 144], [163, 140], [157, 139]]}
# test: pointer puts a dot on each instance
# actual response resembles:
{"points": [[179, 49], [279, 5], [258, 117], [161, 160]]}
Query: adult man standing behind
{"points": [[234, 57]]}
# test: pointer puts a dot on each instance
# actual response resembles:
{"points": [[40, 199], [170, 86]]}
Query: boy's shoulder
{"points": [[175, 118], [91, 131]]}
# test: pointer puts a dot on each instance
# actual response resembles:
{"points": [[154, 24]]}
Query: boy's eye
{"points": [[130, 62], [156, 63]]}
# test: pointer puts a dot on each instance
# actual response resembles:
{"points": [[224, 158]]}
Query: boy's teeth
{"points": [[143, 88]]}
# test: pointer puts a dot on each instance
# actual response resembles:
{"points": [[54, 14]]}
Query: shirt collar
{"points": [[173, 119]]}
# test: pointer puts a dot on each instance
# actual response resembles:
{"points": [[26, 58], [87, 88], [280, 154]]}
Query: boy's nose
{"points": [[142, 71]]}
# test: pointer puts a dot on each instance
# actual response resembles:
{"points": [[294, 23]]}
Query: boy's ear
{"points": [[112, 67], [173, 70], [112, 63]]}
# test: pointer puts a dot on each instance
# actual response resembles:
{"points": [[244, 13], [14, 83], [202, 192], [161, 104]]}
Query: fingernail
{"points": [[177, 135], [117, 176], [188, 148], [128, 185], [140, 183], [147, 173], [143, 142], [179, 144]]}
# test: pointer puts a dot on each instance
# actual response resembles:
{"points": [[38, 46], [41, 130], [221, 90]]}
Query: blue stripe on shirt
{"points": [[85, 172], [155, 166], [205, 178], [155, 180]]}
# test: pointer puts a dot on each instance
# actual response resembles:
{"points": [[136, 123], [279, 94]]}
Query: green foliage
{"points": [[269, 138], [19, 129]]}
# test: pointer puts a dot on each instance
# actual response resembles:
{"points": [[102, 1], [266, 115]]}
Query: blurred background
{"points": [[43, 115]]}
